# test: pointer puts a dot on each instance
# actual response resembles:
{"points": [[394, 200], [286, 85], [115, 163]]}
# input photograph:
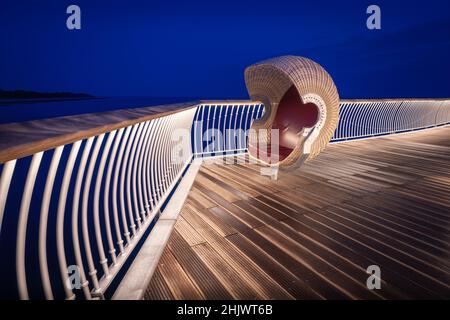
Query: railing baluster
{"points": [[143, 170], [5, 181], [146, 172], [155, 160], [240, 126], [22, 225], [96, 200], [217, 133], [234, 145], [84, 217], [43, 219], [249, 124], [141, 191], [224, 129], [137, 156], [207, 128], [122, 180], [196, 146], [164, 160], [230, 130], [75, 206], [166, 152], [126, 232], [60, 222], [172, 163], [112, 158], [152, 171], [199, 128], [131, 208], [158, 159], [188, 147]]}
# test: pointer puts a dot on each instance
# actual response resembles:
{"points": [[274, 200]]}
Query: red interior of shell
{"points": [[291, 118]]}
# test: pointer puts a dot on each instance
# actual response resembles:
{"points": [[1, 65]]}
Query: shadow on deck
{"points": [[313, 233]]}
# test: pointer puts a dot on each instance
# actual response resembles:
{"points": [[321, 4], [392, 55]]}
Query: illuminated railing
{"points": [[367, 118], [83, 206], [222, 127], [79, 194]]}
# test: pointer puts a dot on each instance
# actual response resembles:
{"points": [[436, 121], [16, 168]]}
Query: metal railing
{"points": [[222, 127], [367, 118], [85, 206], [74, 208]]}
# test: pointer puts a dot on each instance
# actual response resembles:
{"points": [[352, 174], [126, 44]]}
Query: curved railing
{"points": [[367, 118], [222, 127], [79, 194]]}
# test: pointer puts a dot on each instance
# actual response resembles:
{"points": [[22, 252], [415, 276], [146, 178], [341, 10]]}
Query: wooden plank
{"points": [[262, 283], [333, 272], [330, 255], [360, 254], [237, 285], [188, 233], [181, 286], [158, 288], [209, 187], [200, 200], [196, 269], [295, 286], [200, 225], [223, 175], [406, 265], [313, 234], [268, 247], [214, 222], [391, 239], [255, 275]]}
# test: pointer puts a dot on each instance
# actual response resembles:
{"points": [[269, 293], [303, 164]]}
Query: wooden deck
{"points": [[313, 233]]}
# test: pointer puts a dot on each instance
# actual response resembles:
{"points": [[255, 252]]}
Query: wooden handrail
{"points": [[395, 100], [22, 139]]}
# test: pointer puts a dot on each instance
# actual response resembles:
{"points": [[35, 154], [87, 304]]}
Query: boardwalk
{"points": [[313, 233]]}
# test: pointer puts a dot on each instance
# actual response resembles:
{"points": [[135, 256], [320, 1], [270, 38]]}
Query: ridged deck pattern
{"points": [[313, 233]]}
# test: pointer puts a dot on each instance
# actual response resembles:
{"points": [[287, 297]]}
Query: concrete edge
{"points": [[138, 276]]}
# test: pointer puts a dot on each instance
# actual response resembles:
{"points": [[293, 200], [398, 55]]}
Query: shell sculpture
{"points": [[301, 110]]}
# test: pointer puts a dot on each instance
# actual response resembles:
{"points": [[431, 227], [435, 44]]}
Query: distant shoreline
{"points": [[25, 95]]}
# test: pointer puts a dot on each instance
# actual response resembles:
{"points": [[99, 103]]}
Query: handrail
{"points": [[374, 100], [122, 157], [105, 177], [18, 140], [359, 119], [93, 185], [21, 139]]}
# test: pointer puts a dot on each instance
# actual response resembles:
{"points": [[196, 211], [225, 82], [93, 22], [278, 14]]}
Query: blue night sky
{"points": [[201, 48]]}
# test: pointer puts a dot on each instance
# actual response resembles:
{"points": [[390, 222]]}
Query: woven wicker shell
{"points": [[269, 80]]}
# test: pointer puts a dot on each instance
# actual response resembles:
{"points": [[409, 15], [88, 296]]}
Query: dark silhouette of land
{"points": [[24, 94]]}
